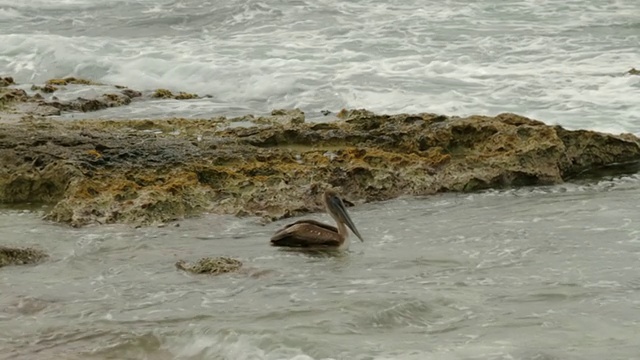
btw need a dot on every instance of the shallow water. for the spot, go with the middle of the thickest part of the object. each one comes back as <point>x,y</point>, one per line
<point>557,61</point>
<point>535,273</point>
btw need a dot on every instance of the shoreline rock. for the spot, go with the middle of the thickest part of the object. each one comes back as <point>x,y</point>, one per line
<point>143,172</point>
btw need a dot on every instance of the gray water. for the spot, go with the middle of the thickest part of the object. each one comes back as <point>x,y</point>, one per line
<point>535,273</point>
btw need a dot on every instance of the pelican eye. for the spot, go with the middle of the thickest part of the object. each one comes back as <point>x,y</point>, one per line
<point>335,201</point>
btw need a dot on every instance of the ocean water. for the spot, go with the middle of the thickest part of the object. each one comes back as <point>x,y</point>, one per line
<point>559,61</point>
<point>534,273</point>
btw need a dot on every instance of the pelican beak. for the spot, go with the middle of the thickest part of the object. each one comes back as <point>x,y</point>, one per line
<point>341,212</point>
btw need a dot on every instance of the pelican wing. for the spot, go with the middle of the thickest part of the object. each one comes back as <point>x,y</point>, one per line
<point>313,222</point>
<point>307,233</point>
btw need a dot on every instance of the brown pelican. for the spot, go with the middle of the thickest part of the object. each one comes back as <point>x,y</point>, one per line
<point>314,234</point>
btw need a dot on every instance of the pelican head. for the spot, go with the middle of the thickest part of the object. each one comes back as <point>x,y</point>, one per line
<point>337,210</point>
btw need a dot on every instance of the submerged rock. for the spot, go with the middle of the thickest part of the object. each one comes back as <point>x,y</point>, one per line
<point>71,80</point>
<point>95,104</point>
<point>211,266</point>
<point>633,71</point>
<point>20,256</point>
<point>16,104</point>
<point>166,94</point>
<point>48,88</point>
<point>11,95</point>
<point>6,81</point>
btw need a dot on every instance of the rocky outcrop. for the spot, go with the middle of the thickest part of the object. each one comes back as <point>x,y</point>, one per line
<point>16,104</point>
<point>150,171</point>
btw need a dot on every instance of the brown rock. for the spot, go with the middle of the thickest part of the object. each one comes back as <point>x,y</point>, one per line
<point>71,80</point>
<point>131,93</point>
<point>100,171</point>
<point>6,81</point>
<point>87,105</point>
<point>282,117</point>
<point>211,266</point>
<point>9,95</point>
<point>20,256</point>
<point>166,94</point>
<point>48,88</point>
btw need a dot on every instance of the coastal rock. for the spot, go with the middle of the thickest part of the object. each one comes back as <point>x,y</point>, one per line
<point>48,88</point>
<point>70,80</point>
<point>166,94</point>
<point>6,81</point>
<point>16,104</point>
<point>11,95</point>
<point>20,256</point>
<point>154,171</point>
<point>633,71</point>
<point>95,104</point>
<point>211,266</point>
<point>283,117</point>
<point>131,93</point>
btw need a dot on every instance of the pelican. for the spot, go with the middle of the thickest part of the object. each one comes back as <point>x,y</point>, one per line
<point>314,234</point>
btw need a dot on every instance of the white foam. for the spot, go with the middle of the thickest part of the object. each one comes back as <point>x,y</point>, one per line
<point>555,62</point>
<point>232,347</point>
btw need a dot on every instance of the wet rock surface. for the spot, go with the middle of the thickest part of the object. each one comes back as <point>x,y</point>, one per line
<point>153,171</point>
<point>211,266</point>
<point>166,94</point>
<point>6,81</point>
<point>20,256</point>
<point>16,104</point>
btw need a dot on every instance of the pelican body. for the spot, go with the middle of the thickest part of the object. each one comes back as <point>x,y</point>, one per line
<point>314,234</point>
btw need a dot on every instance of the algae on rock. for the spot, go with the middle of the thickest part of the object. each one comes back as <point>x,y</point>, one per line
<point>70,80</point>
<point>20,256</point>
<point>6,81</point>
<point>166,94</point>
<point>211,266</point>
<point>150,171</point>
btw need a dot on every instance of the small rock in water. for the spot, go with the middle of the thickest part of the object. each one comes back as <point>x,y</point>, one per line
<point>633,71</point>
<point>71,80</point>
<point>212,266</point>
<point>325,112</point>
<point>166,94</point>
<point>6,81</point>
<point>131,93</point>
<point>20,256</point>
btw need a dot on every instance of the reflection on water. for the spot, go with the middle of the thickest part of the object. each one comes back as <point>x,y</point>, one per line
<point>536,273</point>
